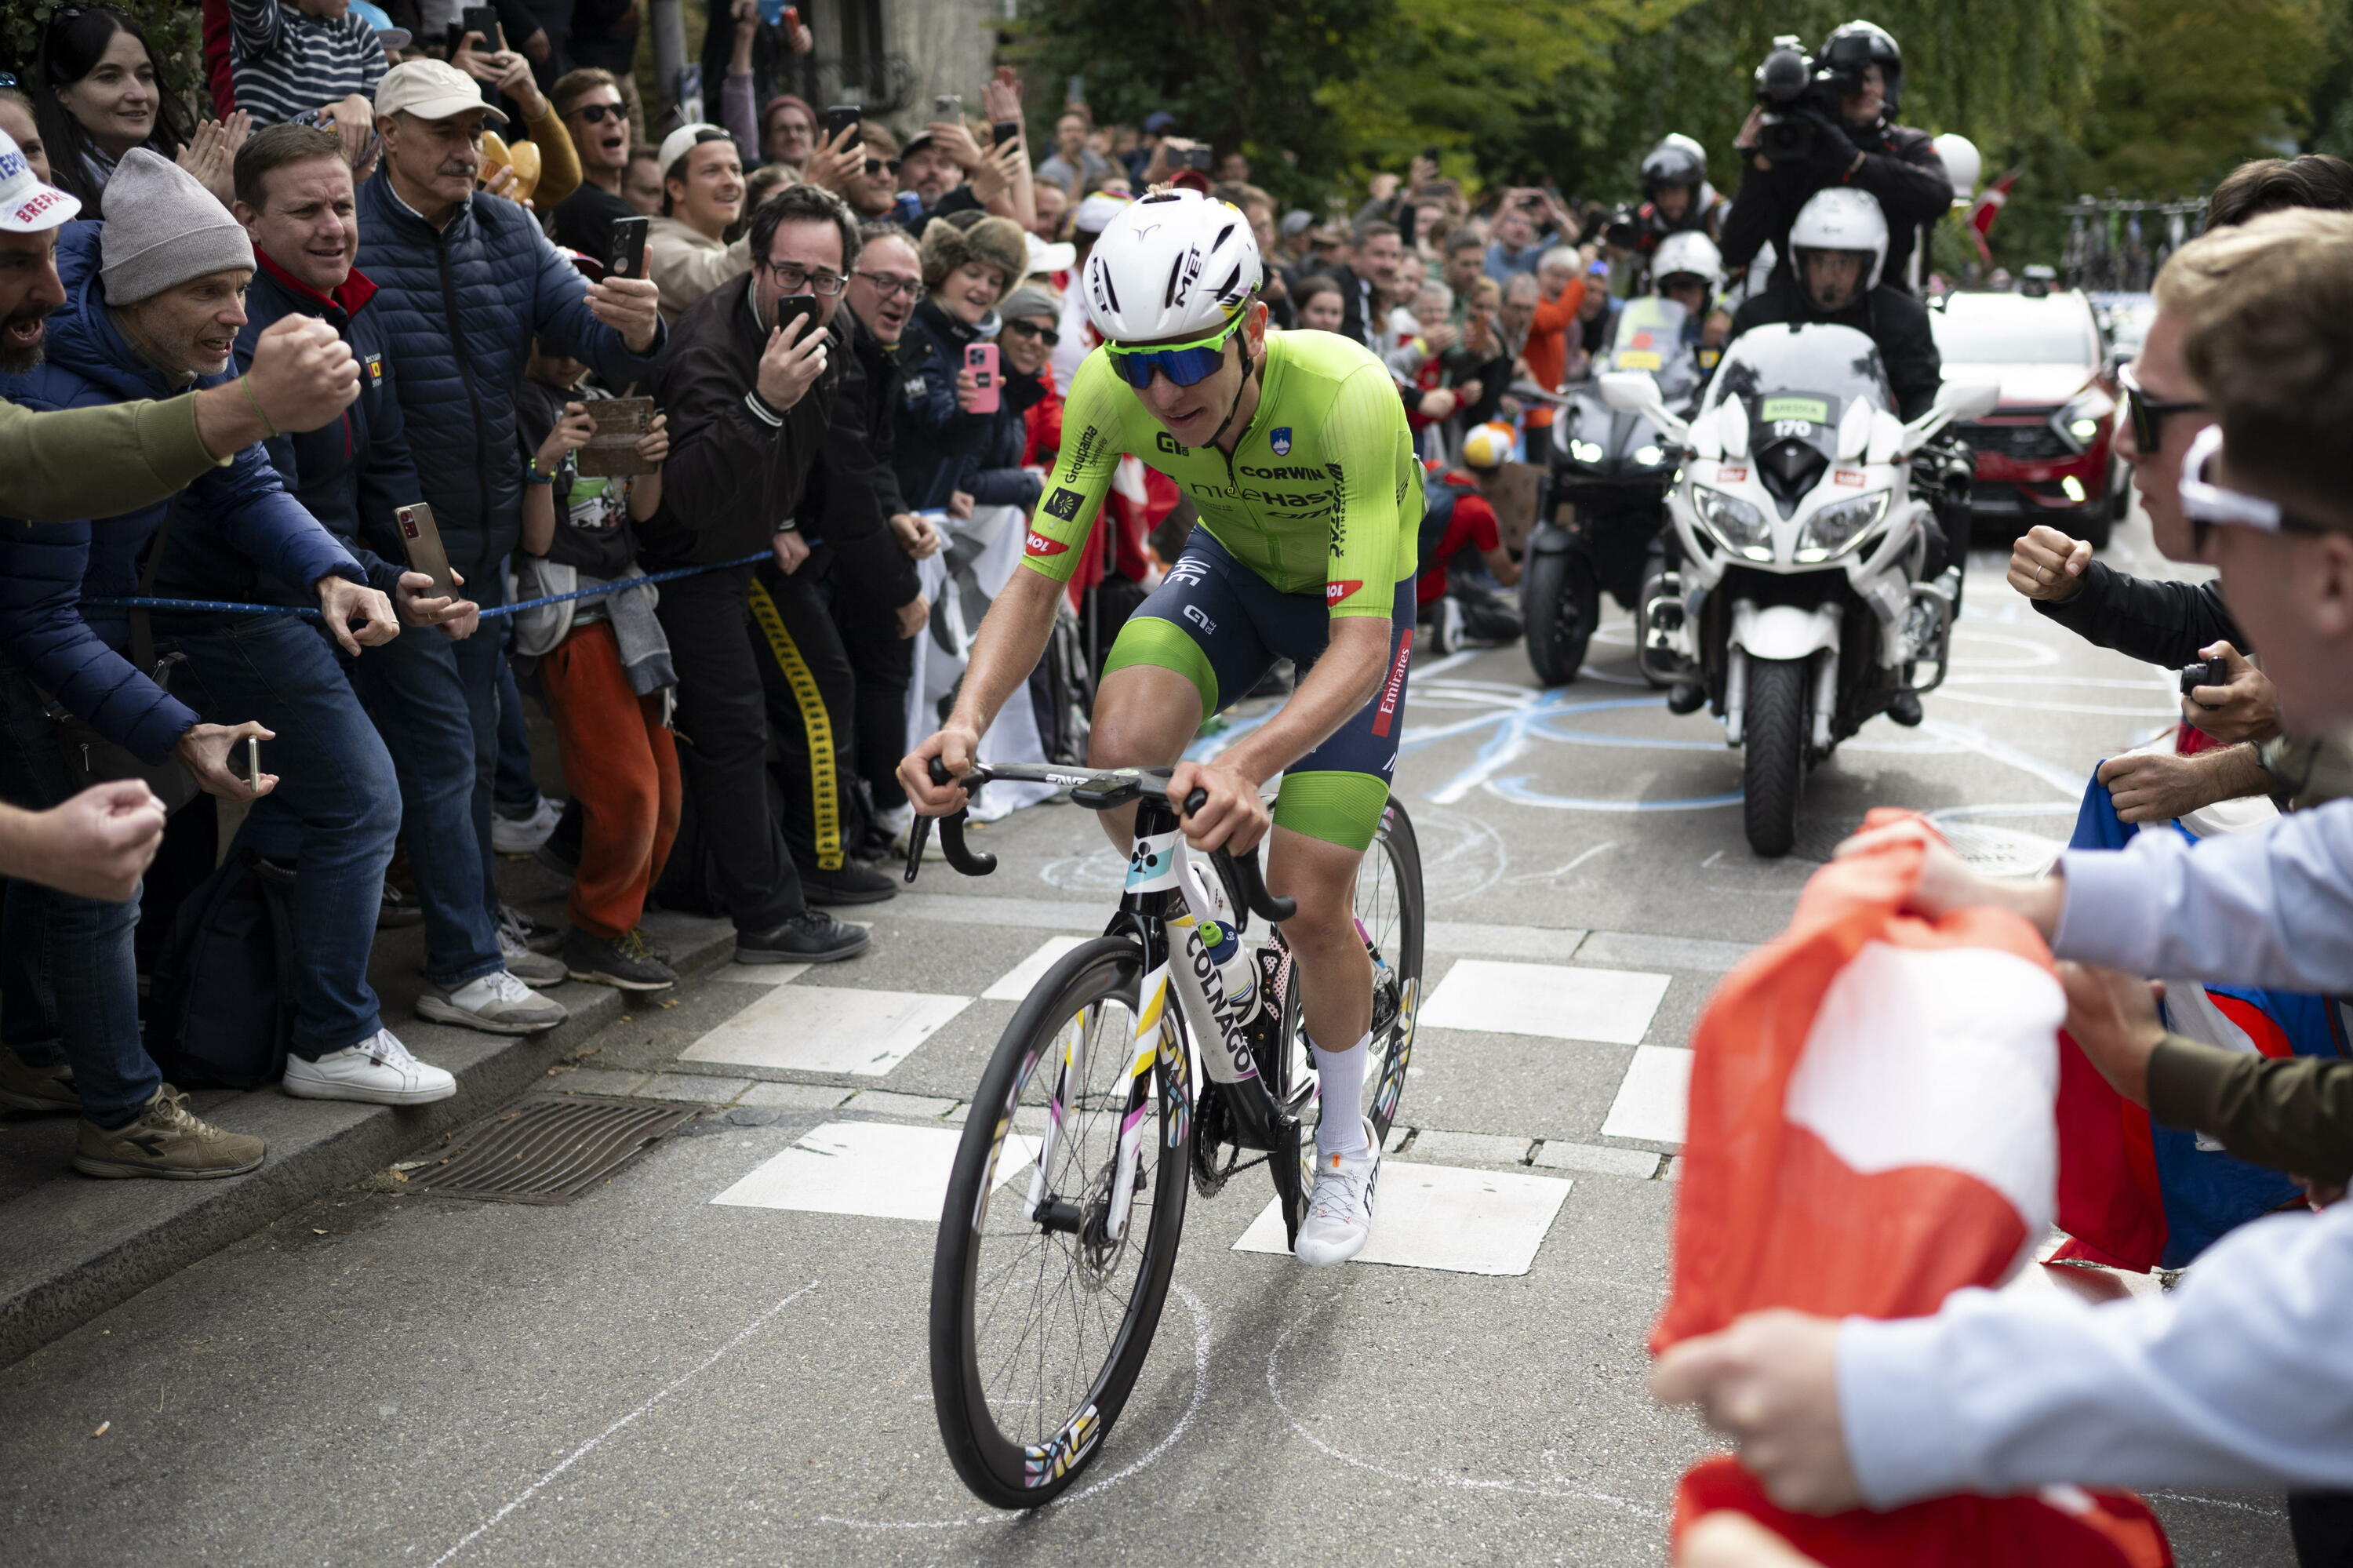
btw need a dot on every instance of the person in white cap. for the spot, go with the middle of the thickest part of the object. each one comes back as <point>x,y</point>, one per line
<point>686,252</point>
<point>1078,333</point>
<point>465,284</point>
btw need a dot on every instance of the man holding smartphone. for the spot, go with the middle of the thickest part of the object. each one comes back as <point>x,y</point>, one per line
<point>749,385</point>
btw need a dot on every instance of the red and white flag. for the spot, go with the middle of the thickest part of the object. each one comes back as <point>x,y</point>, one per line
<point>1988,208</point>
<point>1871,1127</point>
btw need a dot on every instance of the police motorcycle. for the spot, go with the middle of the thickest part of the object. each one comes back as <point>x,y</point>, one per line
<point>1795,596</point>
<point>1613,467</point>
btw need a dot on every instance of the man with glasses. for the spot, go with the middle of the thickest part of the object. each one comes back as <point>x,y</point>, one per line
<point>2242,1376</point>
<point>588,101</point>
<point>1295,449</point>
<point>749,385</point>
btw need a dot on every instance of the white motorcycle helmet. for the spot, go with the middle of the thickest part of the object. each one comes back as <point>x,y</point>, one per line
<point>1962,163</point>
<point>1841,219</point>
<point>1174,264</point>
<point>1690,251</point>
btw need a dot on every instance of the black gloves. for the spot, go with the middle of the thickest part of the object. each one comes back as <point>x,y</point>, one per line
<point>1834,151</point>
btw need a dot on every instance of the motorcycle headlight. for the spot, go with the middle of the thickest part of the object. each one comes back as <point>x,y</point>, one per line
<point>1834,530</point>
<point>1585,451</point>
<point>1650,456</point>
<point>1740,528</point>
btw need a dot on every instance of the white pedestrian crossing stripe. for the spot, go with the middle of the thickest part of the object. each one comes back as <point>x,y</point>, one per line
<point>1443,1217</point>
<point>1613,1006</point>
<point>1016,983</point>
<point>1654,1097</point>
<point>867,1168</point>
<point>825,1029</point>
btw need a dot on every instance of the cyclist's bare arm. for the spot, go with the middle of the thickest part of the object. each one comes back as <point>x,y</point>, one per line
<point>1340,683</point>
<point>1011,640</point>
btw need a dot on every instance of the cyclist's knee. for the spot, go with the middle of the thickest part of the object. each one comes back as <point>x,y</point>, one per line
<point>1143,717</point>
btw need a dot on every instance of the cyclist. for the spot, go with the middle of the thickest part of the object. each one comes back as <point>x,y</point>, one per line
<point>1294,448</point>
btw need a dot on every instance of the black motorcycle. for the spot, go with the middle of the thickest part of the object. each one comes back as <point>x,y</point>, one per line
<point>1614,469</point>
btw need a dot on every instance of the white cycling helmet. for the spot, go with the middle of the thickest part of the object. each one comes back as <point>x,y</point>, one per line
<point>1689,252</point>
<point>1841,219</point>
<point>1962,163</point>
<point>1173,264</point>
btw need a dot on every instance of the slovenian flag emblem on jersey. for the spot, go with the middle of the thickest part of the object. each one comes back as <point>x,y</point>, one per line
<point>1280,440</point>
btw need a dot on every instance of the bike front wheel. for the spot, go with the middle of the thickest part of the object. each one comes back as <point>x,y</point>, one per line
<point>1047,1280</point>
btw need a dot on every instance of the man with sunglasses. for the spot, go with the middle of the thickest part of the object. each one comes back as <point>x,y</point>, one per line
<point>588,101</point>
<point>1296,450</point>
<point>2242,1376</point>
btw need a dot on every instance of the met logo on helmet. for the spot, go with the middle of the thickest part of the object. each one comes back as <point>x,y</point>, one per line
<point>1334,592</point>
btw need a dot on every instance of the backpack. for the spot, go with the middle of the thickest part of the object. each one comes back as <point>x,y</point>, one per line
<point>220,1012</point>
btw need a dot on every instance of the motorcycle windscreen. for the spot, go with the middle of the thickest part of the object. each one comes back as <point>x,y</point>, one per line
<point>1796,382</point>
<point>1649,336</point>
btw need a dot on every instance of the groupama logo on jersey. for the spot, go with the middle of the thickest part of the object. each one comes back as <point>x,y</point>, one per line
<point>1280,440</point>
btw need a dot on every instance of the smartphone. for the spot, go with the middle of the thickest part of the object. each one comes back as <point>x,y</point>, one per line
<point>245,762</point>
<point>1077,90</point>
<point>1429,153</point>
<point>627,251</point>
<point>772,12</point>
<point>1198,157</point>
<point>840,117</point>
<point>483,20</point>
<point>1004,131</point>
<point>793,307</point>
<point>948,106</point>
<point>980,359</point>
<point>421,541</point>
<point>612,451</point>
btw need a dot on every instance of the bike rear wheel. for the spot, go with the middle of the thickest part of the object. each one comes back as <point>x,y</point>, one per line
<point>1040,1319</point>
<point>1389,904</point>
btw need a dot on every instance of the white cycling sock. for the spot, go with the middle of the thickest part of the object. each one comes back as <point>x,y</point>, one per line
<point>1340,1076</point>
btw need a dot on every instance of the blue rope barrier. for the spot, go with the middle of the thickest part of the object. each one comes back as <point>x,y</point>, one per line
<point>224,606</point>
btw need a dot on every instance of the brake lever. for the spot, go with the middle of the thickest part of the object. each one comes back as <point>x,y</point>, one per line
<point>1261,902</point>
<point>969,862</point>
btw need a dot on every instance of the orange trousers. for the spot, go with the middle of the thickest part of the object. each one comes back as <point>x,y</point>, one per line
<point>622,767</point>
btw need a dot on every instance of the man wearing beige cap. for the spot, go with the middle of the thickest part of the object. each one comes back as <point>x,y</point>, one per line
<point>465,281</point>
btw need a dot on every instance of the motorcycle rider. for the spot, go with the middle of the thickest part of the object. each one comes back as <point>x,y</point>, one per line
<point>1838,245</point>
<point>1676,196</point>
<point>1861,150</point>
<point>1687,269</point>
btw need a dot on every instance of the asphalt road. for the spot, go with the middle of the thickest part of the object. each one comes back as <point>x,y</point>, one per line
<point>651,1377</point>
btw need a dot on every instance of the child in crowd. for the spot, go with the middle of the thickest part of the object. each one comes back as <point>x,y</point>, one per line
<point>604,668</point>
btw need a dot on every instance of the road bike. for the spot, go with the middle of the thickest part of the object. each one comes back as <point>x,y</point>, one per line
<point>1057,1238</point>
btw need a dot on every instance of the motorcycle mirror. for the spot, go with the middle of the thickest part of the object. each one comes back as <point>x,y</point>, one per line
<point>1969,399</point>
<point>1636,392</point>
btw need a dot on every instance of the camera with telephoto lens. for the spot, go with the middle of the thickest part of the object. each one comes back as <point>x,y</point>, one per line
<point>1797,93</point>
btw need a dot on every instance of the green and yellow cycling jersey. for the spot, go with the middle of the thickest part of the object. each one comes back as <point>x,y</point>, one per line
<point>1322,491</point>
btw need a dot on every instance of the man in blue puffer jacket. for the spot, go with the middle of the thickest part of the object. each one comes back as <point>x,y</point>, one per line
<point>152,305</point>
<point>464,283</point>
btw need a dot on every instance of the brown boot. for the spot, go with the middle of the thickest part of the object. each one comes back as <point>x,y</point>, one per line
<point>24,1086</point>
<point>166,1141</point>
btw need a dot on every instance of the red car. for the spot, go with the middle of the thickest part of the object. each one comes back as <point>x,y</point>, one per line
<point>2047,454</point>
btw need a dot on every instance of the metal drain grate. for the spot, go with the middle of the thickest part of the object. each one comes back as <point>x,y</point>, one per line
<point>547,1149</point>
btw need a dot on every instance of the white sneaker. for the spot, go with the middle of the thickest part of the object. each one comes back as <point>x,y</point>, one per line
<point>1340,1209</point>
<point>521,835</point>
<point>534,970</point>
<point>497,1004</point>
<point>378,1070</point>
<point>1447,633</point>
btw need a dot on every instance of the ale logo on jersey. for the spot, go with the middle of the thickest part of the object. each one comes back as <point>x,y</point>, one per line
<point>1280,440</point>
<point>1334,592</point>
<point>1038,544</point>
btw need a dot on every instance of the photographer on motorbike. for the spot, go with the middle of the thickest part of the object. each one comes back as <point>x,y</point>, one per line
<point>1856,149</point>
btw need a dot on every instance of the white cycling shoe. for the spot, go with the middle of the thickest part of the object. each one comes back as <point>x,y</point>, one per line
<point>1340,1209</point>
